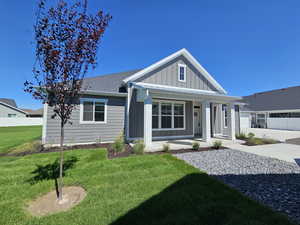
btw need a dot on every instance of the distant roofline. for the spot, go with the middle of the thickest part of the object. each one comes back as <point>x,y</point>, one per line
<point>274,90</point>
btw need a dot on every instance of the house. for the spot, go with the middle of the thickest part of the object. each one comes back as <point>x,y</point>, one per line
<point>276,109</point>
<point>173,98</point>
<point>9,108</point>
<point>34,112</point>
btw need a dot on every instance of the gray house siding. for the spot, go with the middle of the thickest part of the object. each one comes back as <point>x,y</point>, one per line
<point>88,133</point>
<point>5,110</point>
<point>168,75</point>
<point>136,121</point>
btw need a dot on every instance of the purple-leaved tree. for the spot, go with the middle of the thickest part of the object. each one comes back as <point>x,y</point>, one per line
<point>67,39</point>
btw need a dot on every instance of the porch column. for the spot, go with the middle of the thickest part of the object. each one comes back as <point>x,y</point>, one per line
<point>231,124</point>
<point>148,121</point>
<point>206,121</point>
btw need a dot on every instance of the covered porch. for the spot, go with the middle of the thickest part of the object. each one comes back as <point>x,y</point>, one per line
<point>208,115</point>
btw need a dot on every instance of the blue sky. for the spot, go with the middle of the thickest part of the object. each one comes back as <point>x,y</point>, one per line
<point>248,46</point>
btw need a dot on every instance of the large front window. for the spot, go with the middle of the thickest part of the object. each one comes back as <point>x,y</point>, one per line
<point>93,111</point>
<point>168,115</point>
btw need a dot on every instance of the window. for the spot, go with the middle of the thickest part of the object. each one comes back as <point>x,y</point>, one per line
<point>12,115</point>
<point>168,115</point>
<point>181,72</point>
<point>93,111</point>
<point>178,116</point>
<point>225,110</point>
<point>285,115</point>
<point>155,115</point>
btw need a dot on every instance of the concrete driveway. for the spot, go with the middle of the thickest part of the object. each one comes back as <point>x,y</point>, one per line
<point>282,151</point>
<point>280,135</point>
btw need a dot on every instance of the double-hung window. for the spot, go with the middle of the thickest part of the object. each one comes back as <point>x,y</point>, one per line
<point>93,110</point>
<point>181,72</point>
<point>168,115</point>
<point>225,111</point>
<point>178,115</point>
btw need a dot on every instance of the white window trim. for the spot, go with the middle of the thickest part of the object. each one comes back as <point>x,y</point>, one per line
<point>224,117</point>
<point>184,66</point>
<point>94,100</point>
<point>172,123</point>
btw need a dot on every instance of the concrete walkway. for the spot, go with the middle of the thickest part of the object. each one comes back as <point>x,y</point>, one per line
<point>281,135</point>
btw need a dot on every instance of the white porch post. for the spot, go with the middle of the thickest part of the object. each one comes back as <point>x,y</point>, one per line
<point>206,121</point>
<point>231,124</point>
<point>148,121</point>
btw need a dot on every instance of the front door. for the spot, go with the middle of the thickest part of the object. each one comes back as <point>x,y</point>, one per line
<point>197,121</point>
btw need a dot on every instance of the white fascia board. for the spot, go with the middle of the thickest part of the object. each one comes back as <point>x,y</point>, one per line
<point>19,110</point>
<point>103,93</point>
<point>200,93</point>
<point>192,60</point>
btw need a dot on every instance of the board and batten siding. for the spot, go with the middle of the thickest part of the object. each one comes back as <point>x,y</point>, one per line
<point>136,120</point>
<point>168,75</point>
<point>77,133</point>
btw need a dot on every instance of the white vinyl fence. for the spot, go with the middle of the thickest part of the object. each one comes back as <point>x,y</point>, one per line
<point>284,123</point>
<point>20,121</point>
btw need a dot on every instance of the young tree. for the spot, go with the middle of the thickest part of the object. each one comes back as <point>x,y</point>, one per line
<point>67,39</point>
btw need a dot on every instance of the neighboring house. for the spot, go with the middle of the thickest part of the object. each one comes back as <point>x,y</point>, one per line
<point>34,113</point>
<point>276,109</point>
<point>173,98</point>
<point>9,108</point>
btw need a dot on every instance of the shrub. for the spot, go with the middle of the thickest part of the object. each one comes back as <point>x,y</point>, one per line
<point>32,146</point>
<point>241,136</point>
<point>251,135</point>
<point>166,147</point>
<point>118,145</point>
<point>254,141</point>
<point>139,147</point>
<point>196,145</point>
<point>217,144</point>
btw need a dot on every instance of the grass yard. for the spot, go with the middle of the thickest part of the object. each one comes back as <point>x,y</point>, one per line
<point>147,189</point>
<point>12,137</point>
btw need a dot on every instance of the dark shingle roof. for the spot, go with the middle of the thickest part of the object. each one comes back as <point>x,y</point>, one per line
<point>107,83</point>
<point>279,99</point>
<point>34,112</point>
<point>9,101</point>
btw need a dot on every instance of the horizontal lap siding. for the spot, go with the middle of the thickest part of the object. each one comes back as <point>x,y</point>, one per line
<point>136,120</point>
<point>85,133</point>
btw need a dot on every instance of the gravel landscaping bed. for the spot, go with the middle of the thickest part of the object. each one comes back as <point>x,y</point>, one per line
<point>272,182</point>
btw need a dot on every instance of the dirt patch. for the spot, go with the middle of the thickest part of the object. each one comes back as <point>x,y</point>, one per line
<point>48,203</point>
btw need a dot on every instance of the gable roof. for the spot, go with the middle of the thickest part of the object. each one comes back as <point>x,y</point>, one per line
<point>11,104</point>
<point>107,83</point>
<point>9,101</point>
<point>279,99</point>
<point>34,112</point>
<point>186,54</point>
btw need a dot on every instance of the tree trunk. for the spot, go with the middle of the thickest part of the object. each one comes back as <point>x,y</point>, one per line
<point>60,185</point>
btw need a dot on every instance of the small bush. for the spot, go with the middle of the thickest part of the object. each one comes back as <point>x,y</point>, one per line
<point>196,145</point>
<point>251,135</point>
<point>254,141</point>
<point>32,146</point>
<point>119,144</point>
<point>217,144</point>
<point>139,147</point>
<point>166,147</point>
<point>241,136</point>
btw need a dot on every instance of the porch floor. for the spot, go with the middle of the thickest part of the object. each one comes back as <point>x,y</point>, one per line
<point>187,143</point>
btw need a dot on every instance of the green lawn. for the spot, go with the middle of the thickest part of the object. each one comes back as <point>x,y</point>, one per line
<point>149,189</point>
<point>11,137</point>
